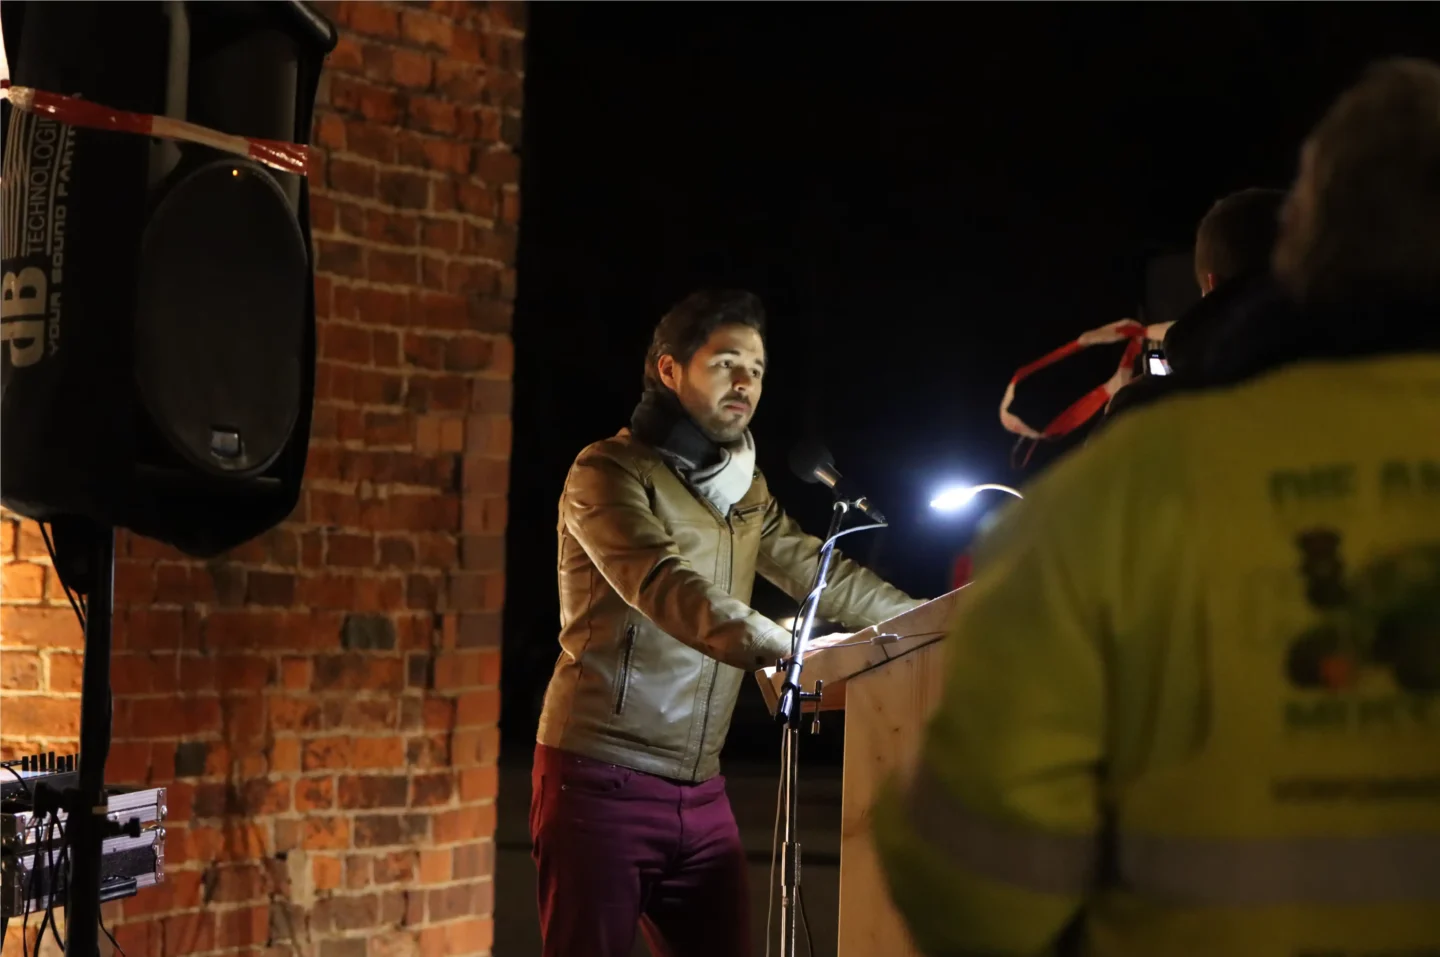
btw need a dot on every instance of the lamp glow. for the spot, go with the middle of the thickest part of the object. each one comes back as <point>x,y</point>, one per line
<point>956,498</point>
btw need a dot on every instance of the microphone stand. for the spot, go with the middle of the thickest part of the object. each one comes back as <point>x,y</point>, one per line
<point>792,700</point>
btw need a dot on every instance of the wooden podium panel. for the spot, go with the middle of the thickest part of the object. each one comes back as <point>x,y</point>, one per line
<point>888,682</point>
<point>885,715</point>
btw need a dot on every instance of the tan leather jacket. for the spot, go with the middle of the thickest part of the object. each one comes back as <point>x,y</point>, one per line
<point>656,631</point>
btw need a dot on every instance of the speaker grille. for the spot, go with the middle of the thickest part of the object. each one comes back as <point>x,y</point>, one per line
<point>221,316</point>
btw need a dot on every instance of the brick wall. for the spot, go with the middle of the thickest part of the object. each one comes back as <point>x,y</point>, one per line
<point>322,702</point>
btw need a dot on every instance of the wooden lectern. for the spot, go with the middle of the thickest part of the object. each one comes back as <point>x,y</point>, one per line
<point>887,682</point>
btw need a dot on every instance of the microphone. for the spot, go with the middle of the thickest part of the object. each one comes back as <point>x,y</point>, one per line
<point>812,462</point>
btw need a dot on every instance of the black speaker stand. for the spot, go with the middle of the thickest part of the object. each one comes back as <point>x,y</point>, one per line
<point>87,824</point>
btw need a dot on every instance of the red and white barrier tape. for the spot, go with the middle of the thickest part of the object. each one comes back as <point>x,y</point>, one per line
<point>1132,333</point>
<point>72,111</point>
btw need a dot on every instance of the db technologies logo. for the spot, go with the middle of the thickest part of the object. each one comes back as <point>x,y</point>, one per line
<point>36,190</point>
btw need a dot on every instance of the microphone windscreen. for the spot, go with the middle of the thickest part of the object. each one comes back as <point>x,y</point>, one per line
<point>807,457</point>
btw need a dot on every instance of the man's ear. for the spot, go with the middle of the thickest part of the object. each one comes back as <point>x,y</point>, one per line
<point>669,371</point>
<point>1209,283</point>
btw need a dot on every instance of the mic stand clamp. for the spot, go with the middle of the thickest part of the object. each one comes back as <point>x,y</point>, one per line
<point>793,698</point>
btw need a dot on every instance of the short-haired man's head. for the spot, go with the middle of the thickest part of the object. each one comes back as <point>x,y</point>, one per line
<point>710,351</point>
<point>1237,236</point>
<point>1362,220</point>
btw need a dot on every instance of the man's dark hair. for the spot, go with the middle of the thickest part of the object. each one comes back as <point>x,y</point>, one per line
<point>1237,235</point>
<point>691,322</point>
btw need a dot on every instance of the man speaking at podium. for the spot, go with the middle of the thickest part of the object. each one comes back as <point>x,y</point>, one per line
<point>662,529</point>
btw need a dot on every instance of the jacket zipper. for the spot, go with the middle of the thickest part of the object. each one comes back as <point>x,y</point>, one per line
<point>714,665</point>
<point>625,668</point>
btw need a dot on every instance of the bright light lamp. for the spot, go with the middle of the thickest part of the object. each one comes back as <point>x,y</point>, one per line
<point>957,497</point>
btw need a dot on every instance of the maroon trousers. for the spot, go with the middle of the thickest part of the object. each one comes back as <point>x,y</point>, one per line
<point>616,848</point>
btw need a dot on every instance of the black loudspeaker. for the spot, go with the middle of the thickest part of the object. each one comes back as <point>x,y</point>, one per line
<point>158,324</point>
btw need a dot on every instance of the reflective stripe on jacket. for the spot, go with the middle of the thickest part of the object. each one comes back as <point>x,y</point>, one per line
<point>1192,699</point>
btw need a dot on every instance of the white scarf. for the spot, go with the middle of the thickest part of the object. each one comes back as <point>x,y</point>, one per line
<point>726,482</point>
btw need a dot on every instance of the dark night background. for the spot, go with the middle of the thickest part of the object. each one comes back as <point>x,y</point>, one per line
<point>926,197</point>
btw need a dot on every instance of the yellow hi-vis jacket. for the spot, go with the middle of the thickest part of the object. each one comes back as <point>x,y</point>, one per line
<point>1192,698</point>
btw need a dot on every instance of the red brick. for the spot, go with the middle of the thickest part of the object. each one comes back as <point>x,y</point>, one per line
<point>189,933</point>
<point>425,352</point>
<point>373,791</point>
<point>490,243</point>
<point>442,234</point>
<point>243,716</point>
<point>145,629</point>
<point>479,784</point>
<point>295,674</point>
<point>38,627</point>
<point>393,267</point>
<point>404,190</point>
<point>141,938</point>
<point>481,124</point>
<point>373,19</point>
<point>329,128</point>
<point>180,890</point>
<point>352,178</point>
<point>65,672</point>
<point>396,552</point>
<point>9,528</point>
<point>23,581</point>
<point>370,141</point>
<point>459,81</point>
<point>411,69</point>
<point>40,717</point>
<point>30,543</point>
<point>296,714</point>
<point>395,867</point>
<point>386,348</point>
<point>468,45</point>
<point>348,550</point>
<point>326,591</point>
<point>380,594</point>
<point>434,866</point>
<point>397,229</point>
<point>335,509</point>
<point>508,14</point>
<point>358,874</point>
<point>184,717</point>
<point>475,935</point>
<point>162,762</point>
<point>477,199</point>
<point>487,437</point>
<point>314,794</point>
<point>358,672</point>
<point>20,671</point>
<point>285,758</point>
<point>341,258</point>
<point>128,762</point>
<point>244,927</point>
<point>378,753</point>
<point>491,396</point>
<point>477,708</point>
<point>432,790</point>
<point>325,872</point>
<point>326,753</point>
<point>498,167</point>
<point>431,115</point>
<point>326,833</point>
<point>425,29</point>
<point>464,824</point>
<point>344,342</point>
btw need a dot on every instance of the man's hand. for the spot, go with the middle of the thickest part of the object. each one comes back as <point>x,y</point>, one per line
<point>830,641</point>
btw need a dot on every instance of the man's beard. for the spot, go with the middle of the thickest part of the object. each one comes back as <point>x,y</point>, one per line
<point>719,427</point>
<point>723,433</point>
